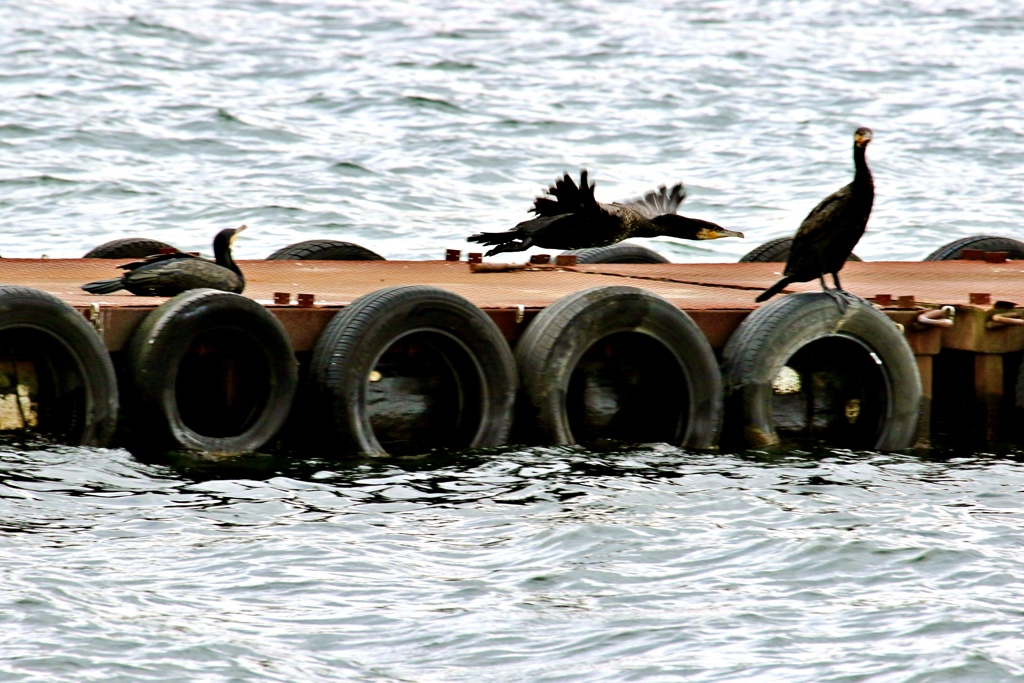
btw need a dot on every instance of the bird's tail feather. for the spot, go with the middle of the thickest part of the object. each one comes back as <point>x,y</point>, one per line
<point>490,238</point>
<point>774,289</point>
<point>522,231</point>
<point>103,286</point>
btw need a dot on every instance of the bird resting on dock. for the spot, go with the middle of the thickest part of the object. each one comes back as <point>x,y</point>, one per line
<point>569,217</point>
<point>832,229</point>
<point>171,274</point>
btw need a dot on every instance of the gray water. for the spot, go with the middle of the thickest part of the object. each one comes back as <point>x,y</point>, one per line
<point>405,129</point>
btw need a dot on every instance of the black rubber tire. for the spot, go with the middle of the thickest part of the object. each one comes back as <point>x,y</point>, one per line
<point>664,385</point>
<point>776,251</point>
<point>617,253</point>
<point>324,250</point>
<point>769,339</point>
<point>471,407</point>
<point>209,334</point>
<point>128,247</point>
<point>77,400</point>
<point>953,250</point>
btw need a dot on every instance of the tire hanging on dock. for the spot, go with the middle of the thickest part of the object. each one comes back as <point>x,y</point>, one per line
<point>128,247</point>
<point>409,369</point>
<point>617,253</point>
<point>954,250</point>
<point>57,377</point>
<point>324,250</point>
<point>208,371</point>
<point>776,251</point>
<point>799,369</point>
<point>613,365</point>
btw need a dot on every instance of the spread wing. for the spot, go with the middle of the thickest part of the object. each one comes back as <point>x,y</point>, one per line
<point>568,217</point>
<point>567,197</point>
<point>657,202</point>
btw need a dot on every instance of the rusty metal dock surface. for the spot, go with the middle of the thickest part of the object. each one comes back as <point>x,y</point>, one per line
<point>700,289</point>
<point>705,286</point>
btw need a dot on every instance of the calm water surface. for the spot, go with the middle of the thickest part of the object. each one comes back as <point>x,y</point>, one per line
<point>405,127</point>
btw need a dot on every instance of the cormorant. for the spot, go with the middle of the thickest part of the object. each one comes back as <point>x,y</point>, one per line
<point>832,229</point>
<point>572,219</point>
<point>170,274</point>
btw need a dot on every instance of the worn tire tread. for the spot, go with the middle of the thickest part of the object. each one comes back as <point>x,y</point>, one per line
<point>324,250</point>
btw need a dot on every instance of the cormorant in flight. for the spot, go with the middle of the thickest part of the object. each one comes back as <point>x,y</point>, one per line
<point>570,218</point>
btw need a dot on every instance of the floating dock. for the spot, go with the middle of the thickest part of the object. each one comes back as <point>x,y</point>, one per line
<point>962,320</point>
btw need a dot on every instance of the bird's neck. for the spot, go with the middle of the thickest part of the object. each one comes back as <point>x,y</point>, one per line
<point>222,257</point>
<point>862,175</point>
<point>667,224</point>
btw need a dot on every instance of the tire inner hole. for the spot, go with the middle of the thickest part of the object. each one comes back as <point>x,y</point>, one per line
<point>425,393</point>
<point>833,391</point>
<point>628,387</point>
<point>223,383</point>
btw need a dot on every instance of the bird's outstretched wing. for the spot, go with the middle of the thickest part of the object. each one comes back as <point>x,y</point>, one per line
<point>567,197</point>
<point>658,202</point>
<point>569,218</point>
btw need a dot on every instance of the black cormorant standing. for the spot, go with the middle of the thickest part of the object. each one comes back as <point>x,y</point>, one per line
<point>832,229</point>
<point>170,274</point>
<point>572,219</point>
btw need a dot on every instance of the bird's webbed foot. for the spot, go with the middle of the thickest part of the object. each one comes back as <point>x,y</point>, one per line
<point>842,299</point>
<point>521,245</point>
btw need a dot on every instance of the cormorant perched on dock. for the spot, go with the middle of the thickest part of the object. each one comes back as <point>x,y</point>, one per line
<point>832,229</point>
<point>170,274</point>
<point>572,219</point>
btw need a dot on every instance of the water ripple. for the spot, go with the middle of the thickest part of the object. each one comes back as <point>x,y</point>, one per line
<point>542,565</point>
<point>405,128</point>
<point>469,112</point>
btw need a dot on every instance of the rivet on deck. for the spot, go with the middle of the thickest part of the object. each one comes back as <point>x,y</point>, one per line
<point>540,259</point>
<point>566,260</point>
<point>282,298</point>
<point>972,255</point>
<point>475,257</point>
<point>883,299</point>
<point>452,254</point>
<point>980,298</point>
<point>305,300</point>
<point>906,301</point>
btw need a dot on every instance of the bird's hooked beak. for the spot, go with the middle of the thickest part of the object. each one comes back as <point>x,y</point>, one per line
<point>862,137</point>
<point>716,233</point>
<point>235,235</point>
